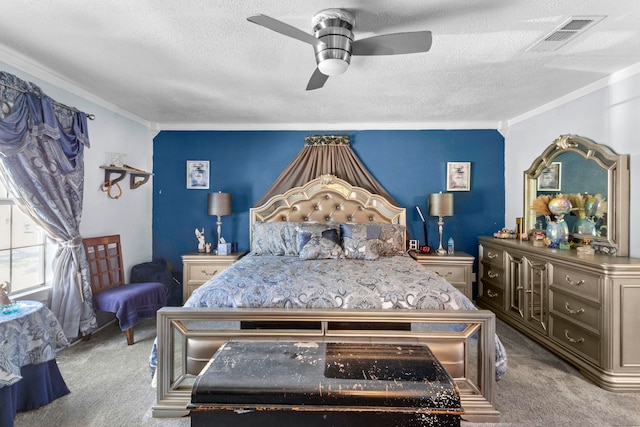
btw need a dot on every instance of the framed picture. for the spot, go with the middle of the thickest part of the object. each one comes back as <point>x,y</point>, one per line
<point>198,174</point>
<point>550,178</point>
<point>458,176</point>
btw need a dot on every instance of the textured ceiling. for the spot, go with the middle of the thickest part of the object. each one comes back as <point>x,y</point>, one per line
<point>201,65</point>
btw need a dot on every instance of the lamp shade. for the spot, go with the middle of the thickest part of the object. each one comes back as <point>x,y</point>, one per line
<point>441,204</point>
<point>219,204</point>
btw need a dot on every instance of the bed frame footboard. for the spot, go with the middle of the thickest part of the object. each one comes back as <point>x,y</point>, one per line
<point>463,341</point>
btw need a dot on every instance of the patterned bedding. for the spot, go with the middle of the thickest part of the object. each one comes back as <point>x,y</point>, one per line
<point>389,282</point>
<point>290,282</point>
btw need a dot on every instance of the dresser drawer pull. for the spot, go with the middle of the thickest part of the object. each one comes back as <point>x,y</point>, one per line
<point>572,340</point>
<point>491,294</point>
<point>578,311</point>
<point>205,272</point>
<point>491,255</point>
<point>571,282</point>
<point>492,275</point>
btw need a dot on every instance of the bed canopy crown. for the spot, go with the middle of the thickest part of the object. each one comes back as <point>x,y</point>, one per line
<point>325,155</point>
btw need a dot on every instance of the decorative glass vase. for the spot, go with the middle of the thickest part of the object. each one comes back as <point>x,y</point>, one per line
<point>557,232</point>
<point>584,227</point>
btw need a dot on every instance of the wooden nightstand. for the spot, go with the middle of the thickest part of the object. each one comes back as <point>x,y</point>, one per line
<point>198,267</point>
<point>457,269</point>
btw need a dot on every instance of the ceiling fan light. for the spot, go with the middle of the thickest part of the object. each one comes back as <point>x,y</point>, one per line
<point>333,66</point>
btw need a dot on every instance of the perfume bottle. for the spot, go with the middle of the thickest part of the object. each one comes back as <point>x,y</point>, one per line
<point>450,246</point>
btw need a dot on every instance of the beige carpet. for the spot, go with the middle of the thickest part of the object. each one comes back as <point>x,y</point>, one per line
<point>110,386</point>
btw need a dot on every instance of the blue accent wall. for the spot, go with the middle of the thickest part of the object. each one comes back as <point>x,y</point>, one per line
<point>410,164</point>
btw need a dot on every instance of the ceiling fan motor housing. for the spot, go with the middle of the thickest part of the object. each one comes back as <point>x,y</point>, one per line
<point>333,27</point>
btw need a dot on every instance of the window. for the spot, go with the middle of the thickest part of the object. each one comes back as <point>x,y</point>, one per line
<point>23,248</point>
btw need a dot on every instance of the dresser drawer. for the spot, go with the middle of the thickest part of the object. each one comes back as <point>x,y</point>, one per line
<point>581,312</point>
<point>492,256</point>
<point>492,294</point>
<point>577,282</point>
<point>493,275</point>
<point>575,338</point>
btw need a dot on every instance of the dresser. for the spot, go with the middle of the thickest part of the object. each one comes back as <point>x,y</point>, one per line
<point>199,267</point>
<point>584,309</point>
<point>457,269</point>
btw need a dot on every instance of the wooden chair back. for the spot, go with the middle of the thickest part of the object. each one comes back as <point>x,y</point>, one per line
<point>105,262</point>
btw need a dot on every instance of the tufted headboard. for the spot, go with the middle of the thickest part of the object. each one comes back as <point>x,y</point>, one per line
<point>328,199</point>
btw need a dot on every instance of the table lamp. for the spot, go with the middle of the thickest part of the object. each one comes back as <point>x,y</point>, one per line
<point>441,205</point>
<point>219,205</point>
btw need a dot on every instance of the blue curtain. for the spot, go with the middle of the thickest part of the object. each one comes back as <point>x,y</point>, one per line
<point>42,166</point>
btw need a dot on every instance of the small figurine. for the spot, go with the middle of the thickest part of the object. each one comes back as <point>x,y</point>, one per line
<point>200,236</point>
<point>5,288</point>
<point>207,247</point>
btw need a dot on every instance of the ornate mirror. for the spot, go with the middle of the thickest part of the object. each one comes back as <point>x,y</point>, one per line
<point>583,170</point>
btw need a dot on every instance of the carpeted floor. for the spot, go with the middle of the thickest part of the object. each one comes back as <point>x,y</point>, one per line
<point>110,386</point>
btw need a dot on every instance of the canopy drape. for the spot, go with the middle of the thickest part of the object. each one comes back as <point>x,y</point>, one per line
<point>321,155</point>
<point>42,166</point>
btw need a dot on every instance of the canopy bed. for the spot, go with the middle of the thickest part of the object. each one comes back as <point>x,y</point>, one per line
<point>354,282</point>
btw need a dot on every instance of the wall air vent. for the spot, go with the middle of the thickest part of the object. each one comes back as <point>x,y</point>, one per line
<point>565,32</point>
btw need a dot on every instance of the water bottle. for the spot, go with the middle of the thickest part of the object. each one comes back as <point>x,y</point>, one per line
<point>450,248</point>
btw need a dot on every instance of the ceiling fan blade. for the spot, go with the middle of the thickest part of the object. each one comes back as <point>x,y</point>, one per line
<point>285,29</point>
<point>317,80</point>
<point>393,44</point>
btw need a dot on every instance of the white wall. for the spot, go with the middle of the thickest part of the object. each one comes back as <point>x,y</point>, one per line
<point>609,114</point>
<point>130,215</point>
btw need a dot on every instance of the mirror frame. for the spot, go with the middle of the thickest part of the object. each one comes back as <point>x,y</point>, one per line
<point>617,167</point>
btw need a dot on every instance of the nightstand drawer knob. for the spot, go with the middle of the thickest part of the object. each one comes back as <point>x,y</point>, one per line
<point>205,272</point>
<point>445,275</point>
<point>491,255</point>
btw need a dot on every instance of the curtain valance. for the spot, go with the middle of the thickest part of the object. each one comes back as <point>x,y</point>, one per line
<point>28,114</point>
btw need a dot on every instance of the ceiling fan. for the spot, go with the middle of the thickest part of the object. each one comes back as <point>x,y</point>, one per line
<point>334,44</point>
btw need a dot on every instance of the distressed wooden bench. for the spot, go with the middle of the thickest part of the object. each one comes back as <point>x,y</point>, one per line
<point>316,383</point>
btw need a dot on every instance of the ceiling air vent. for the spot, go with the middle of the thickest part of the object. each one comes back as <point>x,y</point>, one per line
<point>564,33</point>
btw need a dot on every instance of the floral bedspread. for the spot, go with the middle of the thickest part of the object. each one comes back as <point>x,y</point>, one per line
<point>394,282</point>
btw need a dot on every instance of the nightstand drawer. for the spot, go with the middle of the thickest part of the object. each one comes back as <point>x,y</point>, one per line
<point>198,273</point>
<point>197,268</point>
<point>453,274</point>
<point>456,269</point>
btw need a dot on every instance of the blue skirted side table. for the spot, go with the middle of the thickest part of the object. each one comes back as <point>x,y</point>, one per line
<point>30,336</point>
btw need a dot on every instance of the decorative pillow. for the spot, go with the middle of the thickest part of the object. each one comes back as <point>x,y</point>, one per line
<point>392,238</point>
<point>318,241</point>
<point>274,238</point>
<point>361,241</point>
